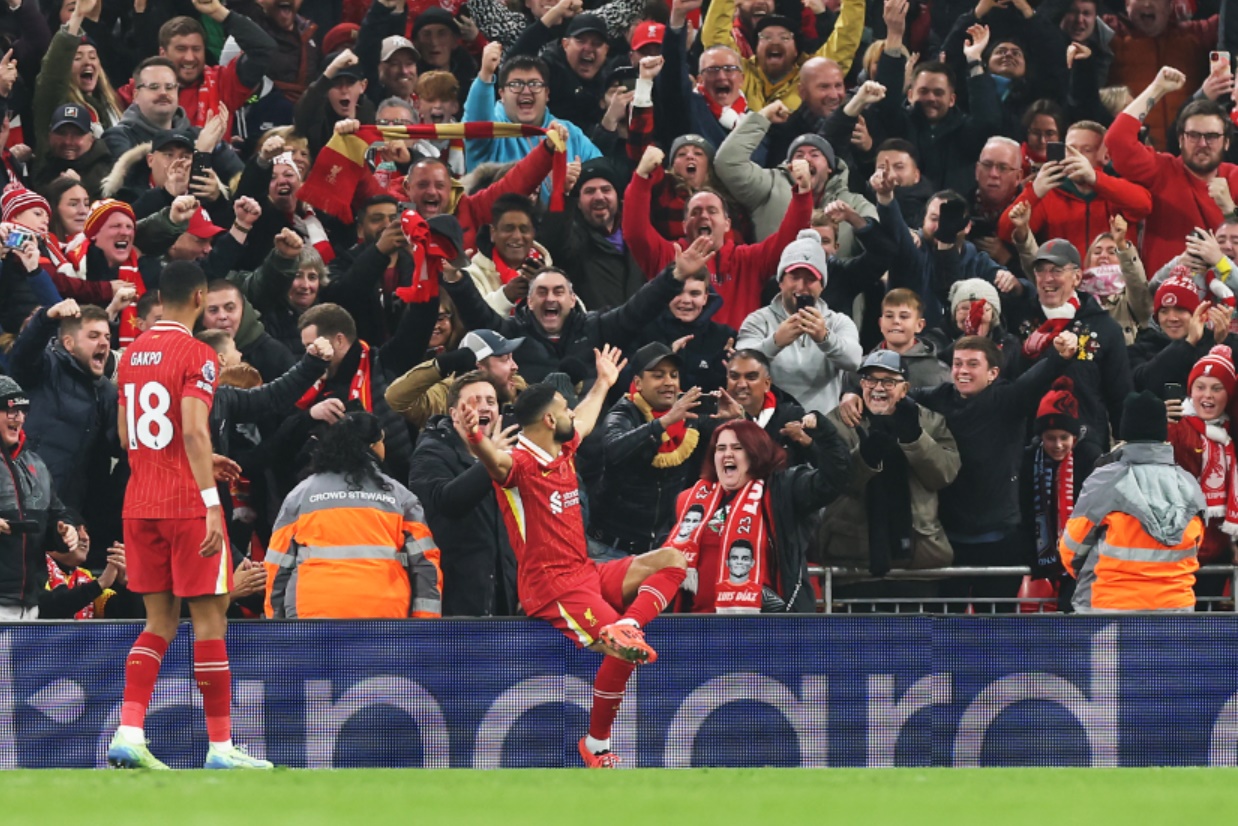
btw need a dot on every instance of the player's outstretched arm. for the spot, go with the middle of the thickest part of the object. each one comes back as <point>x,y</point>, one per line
<point>497,463</point>
<point>195,425</point>
<point>610,364</point>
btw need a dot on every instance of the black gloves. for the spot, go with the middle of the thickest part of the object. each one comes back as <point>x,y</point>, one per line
<point>876,444</point>
<point>905,421</point>
<point>460,360</point>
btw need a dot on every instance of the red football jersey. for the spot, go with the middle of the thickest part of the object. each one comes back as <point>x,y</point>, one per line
<point>541,506</point>
<point>164,365</point>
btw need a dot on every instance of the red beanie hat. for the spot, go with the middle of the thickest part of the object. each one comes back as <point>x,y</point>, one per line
<point>100,211</point>
<point>1059,409</point>
<point>17,199</point>
<point>1219,365</point>
<point>1178,290</point>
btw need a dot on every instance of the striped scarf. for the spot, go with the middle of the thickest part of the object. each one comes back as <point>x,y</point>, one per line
<point>338,170</point>
<point>678,440</point>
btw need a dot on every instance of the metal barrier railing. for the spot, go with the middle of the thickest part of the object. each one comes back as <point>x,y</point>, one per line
<point>830,578</point>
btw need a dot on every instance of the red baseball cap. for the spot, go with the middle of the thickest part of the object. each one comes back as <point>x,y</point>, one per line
<point>647,32</point>
<point>200,225</point>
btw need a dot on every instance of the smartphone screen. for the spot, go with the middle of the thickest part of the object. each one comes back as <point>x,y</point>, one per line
<point>1055,151</point>
<point>802,301</point>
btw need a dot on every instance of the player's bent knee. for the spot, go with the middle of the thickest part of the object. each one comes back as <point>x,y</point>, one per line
<point>665,558</point>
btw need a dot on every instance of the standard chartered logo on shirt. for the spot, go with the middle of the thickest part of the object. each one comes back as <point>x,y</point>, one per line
<point>561,501</point>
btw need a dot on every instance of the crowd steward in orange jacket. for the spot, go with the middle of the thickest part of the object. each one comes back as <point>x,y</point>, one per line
<point>351,542</point>
<point>1133,539</point>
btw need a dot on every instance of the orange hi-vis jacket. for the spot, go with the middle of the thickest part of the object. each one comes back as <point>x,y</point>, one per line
<point>349,549</point>
<point>1133,538</point>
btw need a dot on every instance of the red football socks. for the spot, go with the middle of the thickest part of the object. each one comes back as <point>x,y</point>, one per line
<point>608,686</point>
<point>210,669</point>
<point>141,672</point>
<point>654,595</point>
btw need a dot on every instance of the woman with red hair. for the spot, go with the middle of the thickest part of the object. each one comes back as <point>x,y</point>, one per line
<point>745,526</point>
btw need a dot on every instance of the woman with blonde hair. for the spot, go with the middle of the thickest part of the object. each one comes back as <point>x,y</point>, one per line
<point>73,73</point>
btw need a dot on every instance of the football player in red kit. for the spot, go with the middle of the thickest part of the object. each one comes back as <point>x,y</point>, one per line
<point>174,530</point>
<point>601,606</point>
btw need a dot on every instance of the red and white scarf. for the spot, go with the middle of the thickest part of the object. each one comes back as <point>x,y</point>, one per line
<point>305,222</point>
<point>768,405</point>
<point>360,388</point>
<point>1058,319</point>
<point>745,521</point>
<point>127,272</point>
<point>1218,472</point>
<point>728,117</point>
<point>208,100</point>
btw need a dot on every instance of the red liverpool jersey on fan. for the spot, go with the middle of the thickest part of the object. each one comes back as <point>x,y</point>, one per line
<point>541,506</point>
<point>164,365</point>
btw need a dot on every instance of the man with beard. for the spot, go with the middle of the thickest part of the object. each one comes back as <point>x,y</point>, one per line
<point>61,358</point>
<point>738,271</point>
<point>589,234</point>
<point>424,392</point>
<point>773,72</point>
<point>901,455</point>
<point>653,439</point>
<point>479,568</point>
<point>602,607</point>
<point>1192,190</point>
<point>1152,27</point>
<point>523,83</point>
<point>338,95</point>
<point>767,193</point>
<point>183,41</point>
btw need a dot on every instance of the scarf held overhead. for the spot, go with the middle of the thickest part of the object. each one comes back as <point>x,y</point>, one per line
<point>338,170</point>
<point>745,525</point>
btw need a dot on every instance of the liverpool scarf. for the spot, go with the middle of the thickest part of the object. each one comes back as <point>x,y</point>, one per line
<point>768,405</point>
<point>77,578</point>
<point>728,117</point>
<point>1218,473</point>
<point>360,387</point>
<point>429,251</point>
<point>1058,319</point>
<point>745,530</point>
<point>678,440</point>
<point>1053,501</point>
<point>129,273</point>
<point>337,171</point>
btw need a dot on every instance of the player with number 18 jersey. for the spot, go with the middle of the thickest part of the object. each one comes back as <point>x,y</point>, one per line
<point>163,509</point>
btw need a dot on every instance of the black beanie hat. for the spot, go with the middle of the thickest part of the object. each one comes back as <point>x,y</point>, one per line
<point>1144,419</point>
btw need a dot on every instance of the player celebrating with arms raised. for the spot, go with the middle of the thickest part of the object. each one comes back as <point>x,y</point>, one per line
<point>174,529</point>
<point>601,606</point>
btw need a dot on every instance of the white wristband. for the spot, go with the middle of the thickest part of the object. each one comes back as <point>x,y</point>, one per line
<point>210,497</point>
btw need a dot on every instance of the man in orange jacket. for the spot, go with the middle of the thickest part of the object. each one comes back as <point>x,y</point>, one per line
<point>1133,538</point>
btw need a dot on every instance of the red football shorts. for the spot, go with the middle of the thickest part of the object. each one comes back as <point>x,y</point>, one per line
<point>163,555</point>
<point>592,605</point>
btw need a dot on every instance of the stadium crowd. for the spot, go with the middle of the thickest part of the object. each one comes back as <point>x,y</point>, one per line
<point>895,278</point>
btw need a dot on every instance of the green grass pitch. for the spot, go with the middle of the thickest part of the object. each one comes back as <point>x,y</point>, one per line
<point>683,797</point>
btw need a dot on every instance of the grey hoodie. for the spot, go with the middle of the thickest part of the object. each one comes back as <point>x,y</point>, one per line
<point>811,372</point>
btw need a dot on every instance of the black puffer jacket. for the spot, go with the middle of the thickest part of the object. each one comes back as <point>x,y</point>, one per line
<point>541,355</point>
<point>72,421</point>
<point>479,567</point>
<point>602,275</point>
<point>26,495</point>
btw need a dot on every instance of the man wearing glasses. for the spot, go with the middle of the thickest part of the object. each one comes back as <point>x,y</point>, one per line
<point>523,98</point>
<point>1193,190</point>
<point>773,73</point>
<point>901,455</point>
<point>156,107</point>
